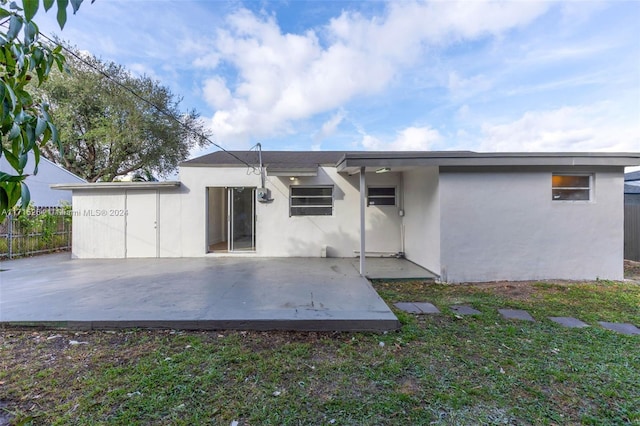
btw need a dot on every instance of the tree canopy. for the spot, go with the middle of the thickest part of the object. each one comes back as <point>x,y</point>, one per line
<point>25,123</point>
<point>106,131</point>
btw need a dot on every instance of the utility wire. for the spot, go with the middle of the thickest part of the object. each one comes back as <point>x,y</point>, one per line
<point>142,98</point>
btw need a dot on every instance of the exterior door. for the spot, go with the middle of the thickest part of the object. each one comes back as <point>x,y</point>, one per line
<point>242,219</point>
<point>142,223</point>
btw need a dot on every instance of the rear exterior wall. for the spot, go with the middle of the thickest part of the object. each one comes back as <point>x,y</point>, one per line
<point>422,217</point>
<point>504,225</point>
<point>280,235</point>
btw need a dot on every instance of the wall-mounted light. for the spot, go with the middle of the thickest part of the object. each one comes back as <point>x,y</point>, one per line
<point>383,170</point>
<point>292,178</point>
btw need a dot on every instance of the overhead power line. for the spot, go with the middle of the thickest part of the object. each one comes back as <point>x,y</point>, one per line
<point>139,96</point>
<point>142,98</point>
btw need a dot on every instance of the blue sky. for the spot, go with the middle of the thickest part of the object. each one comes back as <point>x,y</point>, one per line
<point>331,75</point>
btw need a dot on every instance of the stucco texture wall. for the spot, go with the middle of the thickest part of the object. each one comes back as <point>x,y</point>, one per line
<point>505,226</point>
<point>280,235</point>
<point>422,217</point>
<point>98,233</point>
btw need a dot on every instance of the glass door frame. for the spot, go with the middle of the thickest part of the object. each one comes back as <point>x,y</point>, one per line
<point>231,219</point>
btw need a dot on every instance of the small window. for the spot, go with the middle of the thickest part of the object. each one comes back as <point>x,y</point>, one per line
<point>381,196</point>
<point>311,201</point>
<point>571,187</point>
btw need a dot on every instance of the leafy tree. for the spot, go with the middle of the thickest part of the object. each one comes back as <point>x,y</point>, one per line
<point>25,123</point>
<point>107,131</point>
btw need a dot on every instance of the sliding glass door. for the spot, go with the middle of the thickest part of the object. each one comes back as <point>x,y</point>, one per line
<point>242,219</point>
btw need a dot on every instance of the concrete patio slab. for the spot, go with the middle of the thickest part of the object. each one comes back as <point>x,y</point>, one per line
<point>465,310</point>
<point>517,314</point>
<point>624,328</point>
<point>569,322</point>
<point>394,269</point>
<point>191,293</point>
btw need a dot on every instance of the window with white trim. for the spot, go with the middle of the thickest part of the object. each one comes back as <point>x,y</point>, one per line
<point>571,187</point>
<point>381,196</point>
<point>311,201</point>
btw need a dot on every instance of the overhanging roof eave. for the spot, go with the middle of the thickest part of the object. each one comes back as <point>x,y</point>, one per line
<point>352,163</point>
<point>292,171</point>
<point>115,185</point>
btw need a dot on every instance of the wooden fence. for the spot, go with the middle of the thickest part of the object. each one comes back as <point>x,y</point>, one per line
<point>632,232</point>
<point>38,230</point>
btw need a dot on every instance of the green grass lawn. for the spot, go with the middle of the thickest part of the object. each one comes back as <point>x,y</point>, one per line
<point>437,370</point>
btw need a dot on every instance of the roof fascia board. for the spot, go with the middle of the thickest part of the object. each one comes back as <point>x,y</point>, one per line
<point>116,185</point>
<point>533,169</point>
<point>617,159</point>
<point>292,171</point>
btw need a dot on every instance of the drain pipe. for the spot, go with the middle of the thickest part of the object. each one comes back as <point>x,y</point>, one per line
<point>401,212</point>
<point>262,178</point>
<point>363,188</point>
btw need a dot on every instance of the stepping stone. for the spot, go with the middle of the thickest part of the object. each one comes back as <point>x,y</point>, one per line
<point>417,307</point>
<point>516,314</point>
<point>408,307</point>
<point>628,329</point>
<point>465,310</point>
<point>569,322</point>
<point>427,308</point>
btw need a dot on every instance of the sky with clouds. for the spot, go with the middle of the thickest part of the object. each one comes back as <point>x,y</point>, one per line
<point>401,75</point>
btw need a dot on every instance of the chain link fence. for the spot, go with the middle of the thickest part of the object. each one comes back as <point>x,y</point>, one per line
<point>36,230</point>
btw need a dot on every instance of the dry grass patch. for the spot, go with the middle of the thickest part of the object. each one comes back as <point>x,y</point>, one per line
<point>437,370</point>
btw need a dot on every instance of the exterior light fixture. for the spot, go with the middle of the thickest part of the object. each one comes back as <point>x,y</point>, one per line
<point>383,170</point>
<point>292,178</point>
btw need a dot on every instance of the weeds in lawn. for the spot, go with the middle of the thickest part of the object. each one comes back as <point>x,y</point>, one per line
<point>438,369</point>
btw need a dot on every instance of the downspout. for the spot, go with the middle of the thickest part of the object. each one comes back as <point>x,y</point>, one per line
<point>362,224</point>
<point>401,212</point>
<point>262,178</point>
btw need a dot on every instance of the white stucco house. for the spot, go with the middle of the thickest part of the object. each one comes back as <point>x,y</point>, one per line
<point>463,215</point>
<point>40,184</point>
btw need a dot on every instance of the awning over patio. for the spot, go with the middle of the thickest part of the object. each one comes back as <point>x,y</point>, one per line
<point>352,162</point>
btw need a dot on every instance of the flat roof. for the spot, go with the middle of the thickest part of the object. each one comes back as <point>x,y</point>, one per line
<point>352,161</point>
<point>116,185</point>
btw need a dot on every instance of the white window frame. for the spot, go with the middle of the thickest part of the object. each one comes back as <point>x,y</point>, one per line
<point>292,197</point>
<point>569,188</point>
<point>394,196</point>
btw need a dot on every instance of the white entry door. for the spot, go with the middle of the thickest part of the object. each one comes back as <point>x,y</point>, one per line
<point>142,223</point>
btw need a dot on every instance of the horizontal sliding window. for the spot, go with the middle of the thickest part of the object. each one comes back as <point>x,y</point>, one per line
<point>311,201</point>
<point>571,187</point>
<point>381,196</point>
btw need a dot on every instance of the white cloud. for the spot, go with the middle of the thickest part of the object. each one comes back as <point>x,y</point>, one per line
<point>142,69</point>
<point>463,88</point>
<point>283,77</point>
<point>216,93</point>
<point>592,128</point>
<point>330,126</point>
<point>409,139</point>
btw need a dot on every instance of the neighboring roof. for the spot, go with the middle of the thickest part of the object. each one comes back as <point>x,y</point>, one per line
<point>631,189</point>
<point>117,185</point>
<point>632,176</point>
